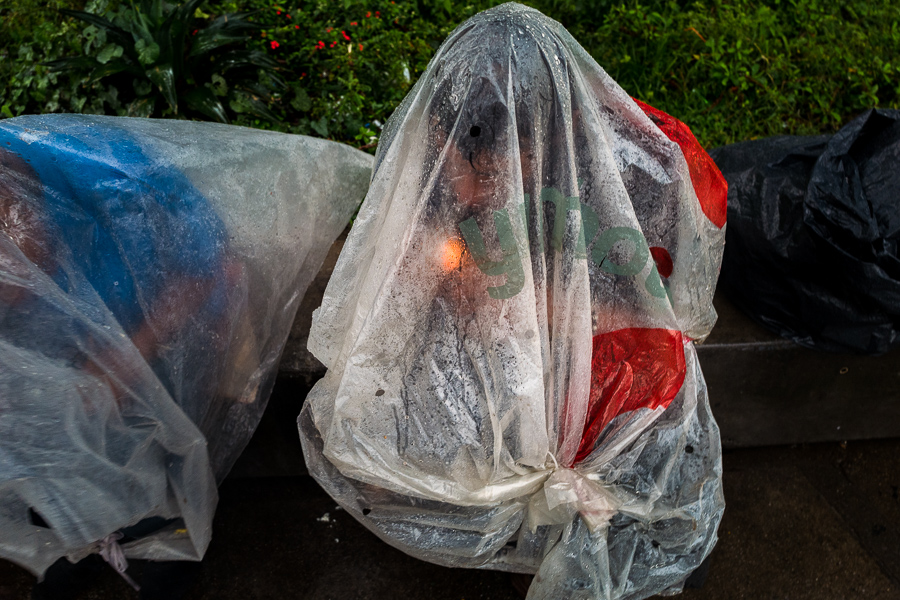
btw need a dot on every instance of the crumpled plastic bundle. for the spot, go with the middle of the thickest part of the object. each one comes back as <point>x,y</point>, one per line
<point>149,275</point>
<point>512,382</point>
<point>815,226</point>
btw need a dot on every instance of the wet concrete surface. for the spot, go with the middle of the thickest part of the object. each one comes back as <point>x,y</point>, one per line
<point>811,522</point>
<point>766,391</point>
<point>785,535</point>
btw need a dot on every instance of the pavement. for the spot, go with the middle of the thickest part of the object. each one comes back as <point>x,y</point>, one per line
<point>817,521</point>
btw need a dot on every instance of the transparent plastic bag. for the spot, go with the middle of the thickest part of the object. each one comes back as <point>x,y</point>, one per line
<point>149,274</point>
<point>509,330</point>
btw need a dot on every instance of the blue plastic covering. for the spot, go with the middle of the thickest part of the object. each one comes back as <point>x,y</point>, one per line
<point>149,276</point>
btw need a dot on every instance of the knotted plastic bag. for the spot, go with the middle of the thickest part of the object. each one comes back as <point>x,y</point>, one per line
<point>149,274</point>
<point>512,382</point>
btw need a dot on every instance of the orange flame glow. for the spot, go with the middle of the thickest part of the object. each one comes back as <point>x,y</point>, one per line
<point>452,254</point>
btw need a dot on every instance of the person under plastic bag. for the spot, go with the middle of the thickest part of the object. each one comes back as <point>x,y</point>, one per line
<point>149,275</point>
<point>509,331</point>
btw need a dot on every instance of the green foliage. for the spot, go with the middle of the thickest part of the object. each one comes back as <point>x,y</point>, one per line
<point>347,64</point>
<point>31,33</point>
<point>174,60</point>
<point>742,69</point>
<point>731,69</point>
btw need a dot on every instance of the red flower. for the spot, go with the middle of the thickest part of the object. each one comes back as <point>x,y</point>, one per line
<point>302,75</point>
<point>360,47</point>
<point>329,30</point>
<point>277,12</point>
<point>377,15</point>
<point>274,44</point>
<point>332,44</point>
<point>321,44</point>
<point>368,14</point>
<point>346,37</point>
<point>195,32</point>
<point>287,15</point>
<point>296,27</point>
<point>354,23</point>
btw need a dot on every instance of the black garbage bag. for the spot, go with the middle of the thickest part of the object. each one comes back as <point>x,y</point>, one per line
<point>813,227</point>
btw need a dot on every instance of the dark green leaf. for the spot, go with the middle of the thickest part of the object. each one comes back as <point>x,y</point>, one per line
<point>113,33</point>
<point>185,12</point>
<point>205,41</point>
<point>169,52</point>
<point>245,58</point>
<point>174,30</point>
<point>223,30</point>
<point>76,63</point>
<point>320,127</point>
<point>116,65</point>
<point>147,52</point>
<point>164,78</point>
<point>142,26</point>
<point>155,10</point>
<point>257,89</point>
<point>301,101</point>
<point>109,52</point>
<point>202,100</point>
<point>142,107</point>
<point>142,87</point>
<point>219,85</point>
<point>249,103</point>
<point>275,81</point>
<point>180,19</point>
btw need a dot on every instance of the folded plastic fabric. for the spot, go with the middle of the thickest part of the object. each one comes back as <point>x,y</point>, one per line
<point>512,382</point>
<point>149,275</point>
<point>815,227</point>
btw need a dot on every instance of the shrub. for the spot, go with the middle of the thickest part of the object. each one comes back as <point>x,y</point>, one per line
<point>741,69</point>
<point>347,64</point>
<point>31,33</point>
<point>174,60</point>
<point>731,69</point>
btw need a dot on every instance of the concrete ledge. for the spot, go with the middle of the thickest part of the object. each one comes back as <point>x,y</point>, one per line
<point>767,391</point>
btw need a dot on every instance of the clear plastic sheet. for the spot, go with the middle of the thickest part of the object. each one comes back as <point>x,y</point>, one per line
<point>149,274</point>
<point>511,381</point>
